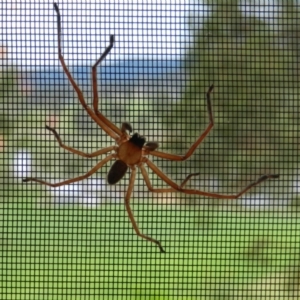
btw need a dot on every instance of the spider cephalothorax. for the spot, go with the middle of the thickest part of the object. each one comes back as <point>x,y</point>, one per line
<point>131,152</point>
<point>128,154</point>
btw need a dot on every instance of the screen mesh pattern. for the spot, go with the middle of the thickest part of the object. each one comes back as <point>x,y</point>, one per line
<point>149,150</point>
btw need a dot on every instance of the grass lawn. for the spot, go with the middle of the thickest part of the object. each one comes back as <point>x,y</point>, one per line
<point>71,252</point>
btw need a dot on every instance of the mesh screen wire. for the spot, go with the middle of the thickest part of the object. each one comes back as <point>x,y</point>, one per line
<point>77,240</point>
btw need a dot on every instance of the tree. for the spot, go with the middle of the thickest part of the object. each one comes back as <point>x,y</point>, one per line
<point>252,64</point>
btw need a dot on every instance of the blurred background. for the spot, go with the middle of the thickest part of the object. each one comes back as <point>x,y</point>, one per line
<point>77,240</point>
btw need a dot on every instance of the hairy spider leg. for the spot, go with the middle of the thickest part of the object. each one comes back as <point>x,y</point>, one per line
<point>72,180</point>
<point>179,188</point>
<point>95,90</point>
<point>131,216</point>
<point>110,130</point>
<point>194,146</point>
<point>73,150</point>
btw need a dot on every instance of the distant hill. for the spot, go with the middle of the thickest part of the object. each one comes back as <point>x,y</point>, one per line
<point>119,73</point>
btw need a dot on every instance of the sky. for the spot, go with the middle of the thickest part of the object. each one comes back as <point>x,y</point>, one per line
<point>141,28</point>
<point>153,29</point>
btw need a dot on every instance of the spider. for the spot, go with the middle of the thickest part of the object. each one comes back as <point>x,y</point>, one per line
<point>132,151</point>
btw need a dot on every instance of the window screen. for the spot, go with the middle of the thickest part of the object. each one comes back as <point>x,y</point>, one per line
<point>175,69</point>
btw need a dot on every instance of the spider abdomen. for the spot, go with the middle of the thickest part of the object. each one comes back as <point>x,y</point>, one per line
<point>117,172</point>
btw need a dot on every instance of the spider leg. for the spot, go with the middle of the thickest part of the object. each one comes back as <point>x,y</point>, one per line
<point>163,190</point>
<point>179,188</point>
<point>194,146</point>
<point>79,178</point>
<point>78,152</point>
<point>100,122</point>
<point>131,216</point>
<point>149,185</point>
<point>101,117</point>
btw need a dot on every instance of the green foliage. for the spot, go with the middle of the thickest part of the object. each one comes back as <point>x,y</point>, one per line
<point>254,67</point>
<point>75,252</point>
<point>9,99</point>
